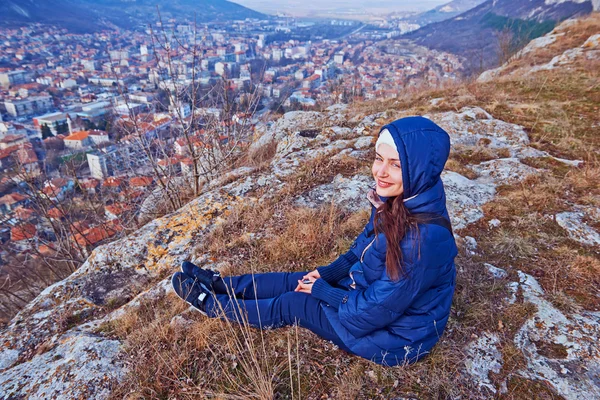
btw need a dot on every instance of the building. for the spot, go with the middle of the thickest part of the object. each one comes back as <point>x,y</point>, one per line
<point>108,161</point>
<point>78,140</point>
<point>338,58</point>
<point>29,106</point>
<point>11,201</point>
<point>98,136</point>
<point>8,79</point>
<point>142,97</point>
<point>52,121</point>
<point>10,141</point>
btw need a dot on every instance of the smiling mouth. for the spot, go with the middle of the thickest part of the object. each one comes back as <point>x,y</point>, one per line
<point>383,184</point>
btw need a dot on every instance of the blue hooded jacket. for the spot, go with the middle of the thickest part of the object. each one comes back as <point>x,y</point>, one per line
<point>397,322</point>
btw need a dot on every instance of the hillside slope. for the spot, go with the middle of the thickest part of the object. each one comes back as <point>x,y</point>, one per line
<point>90,15</point>
<point>444,12</point>
<point>473,34</point>
<point>523,190</point>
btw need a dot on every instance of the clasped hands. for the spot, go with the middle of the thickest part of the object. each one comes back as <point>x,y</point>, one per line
<point>307,287</point>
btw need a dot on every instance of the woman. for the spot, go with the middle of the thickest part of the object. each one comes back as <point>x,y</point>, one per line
<point>388,298</point>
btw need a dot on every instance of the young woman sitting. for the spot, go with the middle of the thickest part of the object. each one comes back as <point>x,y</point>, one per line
<point>388,298</point>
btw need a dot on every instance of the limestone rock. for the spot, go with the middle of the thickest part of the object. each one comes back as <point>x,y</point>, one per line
<point>482,358</point>
<point>503,170</point>
<point>364,142</point>
<point>465,197</point>
<point>496,272</point>
<point>576,335</point>
<point>80,366</point>
<point>578,230</point>
<point>347,193</point>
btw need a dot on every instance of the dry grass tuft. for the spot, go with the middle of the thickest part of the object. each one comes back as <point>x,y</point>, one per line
<point>261,156</point>
<point>456,166</point>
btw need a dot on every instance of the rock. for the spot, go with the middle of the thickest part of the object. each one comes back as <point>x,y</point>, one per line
<point>470,243</point>
<point>291,122</point>
<point>342,133</point>
<point>494,223</point>
<point>577,335</point>
<point>473,124</point>
<point>592,42</point>
<point>336,114</point>
<point>503,170</point>
<point>513,287</point>
<point>496,272</point>
<point>364,142</point>
<point>8,358</point>
<point>465,197</point>
<point>578,230</point>
<point>81,366</point>
<point>572,163</point>
<point>63,311</point>
<point>483,357</point>
<point>347,193</point>
<point>295,150</point>
<point>368,122</point>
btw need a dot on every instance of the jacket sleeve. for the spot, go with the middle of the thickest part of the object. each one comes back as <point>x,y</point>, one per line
<point>363,311</point>
<point>338,269</point>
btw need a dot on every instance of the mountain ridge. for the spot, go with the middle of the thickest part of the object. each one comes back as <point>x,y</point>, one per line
<point>90,16</point>
<point>444,11</point>
<point>472,34</point>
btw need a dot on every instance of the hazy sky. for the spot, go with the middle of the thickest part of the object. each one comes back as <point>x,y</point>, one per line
<point>317,6</point>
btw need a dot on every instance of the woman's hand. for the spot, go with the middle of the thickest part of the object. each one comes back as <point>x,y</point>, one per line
<point>305,284</point>
<point>312,274</point>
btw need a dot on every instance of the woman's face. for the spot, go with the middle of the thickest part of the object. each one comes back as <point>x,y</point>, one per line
<point>387,171</point>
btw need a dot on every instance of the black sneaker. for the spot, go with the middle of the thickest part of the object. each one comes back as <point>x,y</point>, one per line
<point>207,277</point>
<point>190,290</point>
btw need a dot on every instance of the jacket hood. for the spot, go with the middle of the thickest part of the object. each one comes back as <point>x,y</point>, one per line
<point>424,148</point>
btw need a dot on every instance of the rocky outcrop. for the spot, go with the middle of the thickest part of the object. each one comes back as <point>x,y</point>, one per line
<point>54,348</point>
<point>559,350</point>
<point>589,50</point>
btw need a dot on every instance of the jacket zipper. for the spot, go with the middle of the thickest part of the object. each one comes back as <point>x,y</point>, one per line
<point>366,248</point>
<point>353,284</point>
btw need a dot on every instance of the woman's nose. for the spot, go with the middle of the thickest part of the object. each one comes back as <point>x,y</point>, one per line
<point>382,171</point>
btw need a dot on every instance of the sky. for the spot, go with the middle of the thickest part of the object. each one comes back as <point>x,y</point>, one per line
<point>319,7</point>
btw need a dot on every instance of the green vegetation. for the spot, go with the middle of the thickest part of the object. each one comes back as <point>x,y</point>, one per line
<point>523,30</point>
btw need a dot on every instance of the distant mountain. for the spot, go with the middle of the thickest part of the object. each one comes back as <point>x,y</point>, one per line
<point>443,12</point>
<point>94,15</point>
<point>474,34</point>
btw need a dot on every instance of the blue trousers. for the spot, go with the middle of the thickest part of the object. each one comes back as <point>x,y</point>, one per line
<point>268,300</point>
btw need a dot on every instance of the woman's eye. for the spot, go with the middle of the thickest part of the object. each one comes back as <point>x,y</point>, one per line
<point>396,165</point>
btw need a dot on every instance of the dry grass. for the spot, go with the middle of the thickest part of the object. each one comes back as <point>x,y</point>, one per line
<point>458,167</point>
<point>319,170</point>
<point>260,156</point>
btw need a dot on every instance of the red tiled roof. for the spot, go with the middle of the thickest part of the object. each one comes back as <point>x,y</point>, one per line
<point>22,232</point>
<point>55,213</point>
<point>12,198</point>
<point>88,183</point>
<point>47,249</point>
<point>26,155</point>
<point>111,181</point>
<point>97,234</point>
<point>140,181</point>
<point>81,135</point>
<point>117,208</point>
<point>24,213</point>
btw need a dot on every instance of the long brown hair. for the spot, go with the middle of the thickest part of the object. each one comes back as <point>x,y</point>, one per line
<point>393,219</point>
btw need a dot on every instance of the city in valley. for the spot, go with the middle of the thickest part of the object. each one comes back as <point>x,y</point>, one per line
<point>95,119</point>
